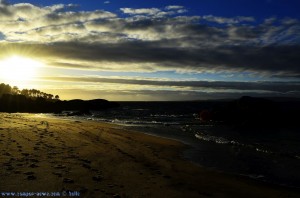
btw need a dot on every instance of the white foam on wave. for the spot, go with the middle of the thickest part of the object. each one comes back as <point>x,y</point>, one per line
<point>209,138</point>
<point>221,140</point>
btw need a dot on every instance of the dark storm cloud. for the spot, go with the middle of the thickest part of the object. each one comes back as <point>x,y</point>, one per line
<point>281,87</point>
<point>279,59</point>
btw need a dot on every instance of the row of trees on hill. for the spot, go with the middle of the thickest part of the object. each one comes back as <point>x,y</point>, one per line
<point>13,100</point>
<point>29,93</point>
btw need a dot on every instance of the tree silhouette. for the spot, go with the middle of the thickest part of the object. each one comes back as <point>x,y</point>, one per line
<point>15,90</point>
<point>28,93</point>
<point>25,92</point>
<point>4,89</point>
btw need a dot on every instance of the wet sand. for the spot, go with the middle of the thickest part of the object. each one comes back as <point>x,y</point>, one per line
<point>40,154</point>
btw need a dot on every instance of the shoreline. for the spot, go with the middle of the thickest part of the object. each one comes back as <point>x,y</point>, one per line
<point>187,154</point>
<point>99,159</point>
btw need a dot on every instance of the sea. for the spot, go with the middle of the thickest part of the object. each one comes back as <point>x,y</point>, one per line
<point>271,156</point>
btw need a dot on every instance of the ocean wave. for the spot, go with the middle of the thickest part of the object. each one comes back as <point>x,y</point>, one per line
<point>142,122</point>
<point>170,116</point>
<point>210,138</point>
<point>222,140</point>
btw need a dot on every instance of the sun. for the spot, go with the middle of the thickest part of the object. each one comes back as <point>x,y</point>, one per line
<point>17,70</point>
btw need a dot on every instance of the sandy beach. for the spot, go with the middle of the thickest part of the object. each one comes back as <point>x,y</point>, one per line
<point>91,159</point>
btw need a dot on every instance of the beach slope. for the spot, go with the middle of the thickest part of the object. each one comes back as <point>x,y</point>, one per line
<point>91,159</point>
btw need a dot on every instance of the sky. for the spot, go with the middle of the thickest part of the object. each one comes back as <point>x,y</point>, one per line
<point>133,50</point>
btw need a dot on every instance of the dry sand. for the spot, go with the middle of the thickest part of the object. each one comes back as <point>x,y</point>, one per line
<point>40,154</point>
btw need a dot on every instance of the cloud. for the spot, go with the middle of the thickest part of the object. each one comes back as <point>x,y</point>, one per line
<point>270,21</point>
<point>151,39</point>
<point>272,59</point>
<point>158,95</point>
<point>155,12</point>
<point>3,2</point>
<point>224,20</point>
<point>174,7</point>
<point>106,2</point>
<point>136,88</point>
<point>147,11</point>
<point>266,86</point>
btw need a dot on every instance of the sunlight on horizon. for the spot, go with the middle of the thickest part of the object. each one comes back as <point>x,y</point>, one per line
<point>19,70</point>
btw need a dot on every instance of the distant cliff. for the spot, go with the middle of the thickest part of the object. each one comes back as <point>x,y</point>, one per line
<point>20,103</point>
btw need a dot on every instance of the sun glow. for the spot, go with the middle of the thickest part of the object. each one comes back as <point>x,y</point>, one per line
<point>18,70</point>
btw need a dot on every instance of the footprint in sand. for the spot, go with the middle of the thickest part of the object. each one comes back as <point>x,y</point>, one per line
<point>59,174</point>
<point>9,167</point>
<point>33,160</point>
<point>17,172</point>
<point>95,170</point>
<point>68,180</point>
<point>36,148</point>
<point>59,166</point>
<point>83,190</point>
<point>12,159</point>
<point>72,156</point>
<point>85,165</point>
<point>97,178</point>
<point>85,160</point>
<point>30,175</point>
<point>33,166</point>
